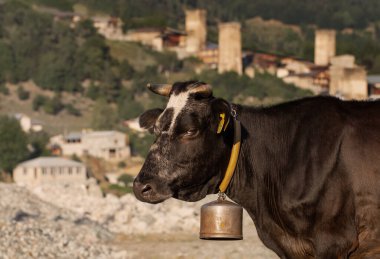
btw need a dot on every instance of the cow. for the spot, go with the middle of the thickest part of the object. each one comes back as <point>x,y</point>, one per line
<point>308,173</point>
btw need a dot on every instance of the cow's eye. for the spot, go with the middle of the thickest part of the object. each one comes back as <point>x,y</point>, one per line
<point>190,133</point>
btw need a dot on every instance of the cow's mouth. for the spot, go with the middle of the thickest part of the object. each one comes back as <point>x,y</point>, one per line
<point>191,193</point>
<point>148,193</point>
<point>154,199</point>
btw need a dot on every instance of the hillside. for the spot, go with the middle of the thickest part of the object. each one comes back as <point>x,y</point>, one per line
<point>337,14</point>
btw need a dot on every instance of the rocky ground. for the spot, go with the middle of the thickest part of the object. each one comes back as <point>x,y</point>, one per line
<point>52,222</point>
<point>32,228</point>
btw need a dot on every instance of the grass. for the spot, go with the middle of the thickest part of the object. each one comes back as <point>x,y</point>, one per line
<point>134,53</point>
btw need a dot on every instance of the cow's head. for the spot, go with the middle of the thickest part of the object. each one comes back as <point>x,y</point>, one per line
<point>188,158</point>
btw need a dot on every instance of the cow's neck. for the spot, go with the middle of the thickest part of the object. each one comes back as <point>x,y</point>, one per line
<point>242,188</point>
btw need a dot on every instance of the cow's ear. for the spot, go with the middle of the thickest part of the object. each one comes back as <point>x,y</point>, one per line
<point>221,111</point>
<point>148,119</point>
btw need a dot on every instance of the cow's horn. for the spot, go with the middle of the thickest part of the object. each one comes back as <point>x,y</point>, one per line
<point>203,89</point>
<point>161,89</point>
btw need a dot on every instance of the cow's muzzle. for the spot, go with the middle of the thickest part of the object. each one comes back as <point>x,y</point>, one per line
<point>147,192</point>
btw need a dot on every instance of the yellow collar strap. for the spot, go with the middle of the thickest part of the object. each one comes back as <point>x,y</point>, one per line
<point>234,155</point>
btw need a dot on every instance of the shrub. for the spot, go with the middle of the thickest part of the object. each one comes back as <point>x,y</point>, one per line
<point>38,102</point>
<point>53,106</point>
<point>22,93</point>
<point>126,179</point>
<point>121,164</point>
<point>3,89</point>
<point>72,110</point>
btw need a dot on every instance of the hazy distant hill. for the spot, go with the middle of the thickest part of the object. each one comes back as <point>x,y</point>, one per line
<point>336,14</point>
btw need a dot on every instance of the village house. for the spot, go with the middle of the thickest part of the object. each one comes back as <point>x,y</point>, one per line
<point>48,170</point>
<point>109,27</point>
<point>109,145</point>
<point>28,124</point>
<point>347,79</point>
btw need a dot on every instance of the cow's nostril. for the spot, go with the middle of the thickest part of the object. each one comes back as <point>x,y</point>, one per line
<point>146,190</point>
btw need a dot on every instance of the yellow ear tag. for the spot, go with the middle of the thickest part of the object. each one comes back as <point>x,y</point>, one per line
<point>221,123</point>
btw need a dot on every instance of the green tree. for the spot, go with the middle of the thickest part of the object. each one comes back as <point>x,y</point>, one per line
<point>38,142</point>
<point>126,70</point>
<point>38,101</point>
<point>70,108</point>
<point>53,106</point>
<point>22,93</point>
<point>13,144</point>
<point>3,88</point>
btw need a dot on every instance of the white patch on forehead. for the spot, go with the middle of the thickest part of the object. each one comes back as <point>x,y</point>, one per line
<point>177,102</point>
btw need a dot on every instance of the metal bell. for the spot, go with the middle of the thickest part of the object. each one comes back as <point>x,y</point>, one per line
<point>221,219</point>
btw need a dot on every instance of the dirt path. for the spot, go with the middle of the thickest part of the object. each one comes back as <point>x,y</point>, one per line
<point>190,246</point>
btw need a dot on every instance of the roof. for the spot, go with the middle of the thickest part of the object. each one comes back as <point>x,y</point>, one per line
<point>102,133</point>
<point>373,79</point>
<point>73,135</point>
<point>79,135</point>
<point>49,162</point>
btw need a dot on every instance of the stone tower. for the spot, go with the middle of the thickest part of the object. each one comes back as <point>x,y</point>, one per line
<point>324,47</point>
<point>230,48</point>
<point>196,30</point>
<point>347,79</point>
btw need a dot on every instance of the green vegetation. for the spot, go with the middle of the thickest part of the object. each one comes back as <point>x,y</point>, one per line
<point>22,93</point>
<point>50,105</point>
<point>4,89</point>
<point>38,142</point>
<point>336,14</point>
<point>126,179</point>
<point>103,116</point>
<point>118,190</point>
<point>13,144</point>
<point>16,146</point>
<point>72,110</point>
<point>231,85</point>
<point>38,101</point>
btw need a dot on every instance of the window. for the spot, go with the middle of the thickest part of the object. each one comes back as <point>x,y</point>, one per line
<point>25,170</point>
<point>44,171</point>
<point>70,171</point>
<point>112,152</point>
<point>78,170</point>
